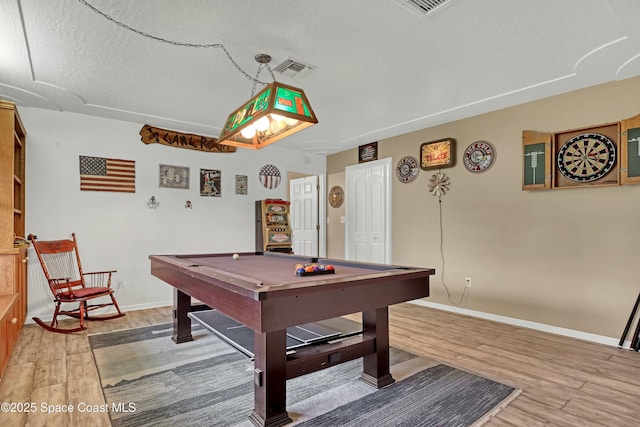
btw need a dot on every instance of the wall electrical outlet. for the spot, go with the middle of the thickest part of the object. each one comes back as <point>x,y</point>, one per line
<point>467,282</point>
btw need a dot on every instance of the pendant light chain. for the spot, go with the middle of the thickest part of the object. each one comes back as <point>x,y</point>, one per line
<point>175,43</point>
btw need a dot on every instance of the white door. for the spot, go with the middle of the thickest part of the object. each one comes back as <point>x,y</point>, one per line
<point>368,228</point>
<point>303,193</point>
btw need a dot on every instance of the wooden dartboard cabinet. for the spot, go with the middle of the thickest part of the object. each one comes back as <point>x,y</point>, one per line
<point>594,156</point>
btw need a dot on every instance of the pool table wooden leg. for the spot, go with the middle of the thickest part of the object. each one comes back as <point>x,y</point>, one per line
<point>270,380</point>
<point>376,366</point>
<point>181,322</point>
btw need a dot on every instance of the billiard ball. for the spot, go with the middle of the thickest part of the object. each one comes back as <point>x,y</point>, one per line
<point>235,256</point>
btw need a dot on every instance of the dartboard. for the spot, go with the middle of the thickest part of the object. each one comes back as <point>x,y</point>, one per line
<point>586,157</point>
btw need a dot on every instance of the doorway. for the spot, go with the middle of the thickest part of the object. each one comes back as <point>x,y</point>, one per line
<point>368,227</point>
<point>305,227</point>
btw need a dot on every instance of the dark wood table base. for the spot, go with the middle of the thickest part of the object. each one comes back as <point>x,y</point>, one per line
<point>261,291</point>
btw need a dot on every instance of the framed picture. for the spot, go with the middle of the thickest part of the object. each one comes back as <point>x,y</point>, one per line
<point>174,177</point>
<point>210,183</point>
<point>242,184</point>
<point>368,152</point>
<point>438,154</point>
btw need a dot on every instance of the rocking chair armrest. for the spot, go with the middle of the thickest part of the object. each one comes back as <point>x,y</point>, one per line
<point>99,272</point>
<point>98,278</point>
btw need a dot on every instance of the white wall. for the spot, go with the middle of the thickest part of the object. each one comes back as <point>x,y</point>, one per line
<point>118,230</point>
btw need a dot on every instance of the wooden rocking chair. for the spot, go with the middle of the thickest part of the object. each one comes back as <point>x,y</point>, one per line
<point>60,263</point>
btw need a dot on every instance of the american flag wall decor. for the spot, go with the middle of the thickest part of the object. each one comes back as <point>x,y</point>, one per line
<point>270,176</point>
<point>102,174</point>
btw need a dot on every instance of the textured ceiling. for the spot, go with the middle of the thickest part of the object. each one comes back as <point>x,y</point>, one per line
<point>380,69</point>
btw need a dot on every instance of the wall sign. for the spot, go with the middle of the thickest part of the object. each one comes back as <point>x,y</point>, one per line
<point>153,135</point>
<point>438,154</point>
<point>368,152</point>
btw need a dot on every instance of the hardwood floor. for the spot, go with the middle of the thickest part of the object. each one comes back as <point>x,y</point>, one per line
<point>564,381</point>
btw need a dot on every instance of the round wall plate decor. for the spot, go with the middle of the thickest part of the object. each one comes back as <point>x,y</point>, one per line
<point>336,196</point>
<point>478,156</point>
<point>270,176</point>
<point>407,169</point>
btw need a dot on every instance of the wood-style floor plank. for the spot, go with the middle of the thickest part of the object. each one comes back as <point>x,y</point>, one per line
<point>564,382</point>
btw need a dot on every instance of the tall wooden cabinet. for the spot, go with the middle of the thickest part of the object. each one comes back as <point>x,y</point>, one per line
<point>13,246</point>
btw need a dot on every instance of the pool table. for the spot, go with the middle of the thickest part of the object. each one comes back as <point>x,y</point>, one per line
<point>263,292</point>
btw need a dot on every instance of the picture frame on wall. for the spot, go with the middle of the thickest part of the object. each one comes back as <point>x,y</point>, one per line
<point>368,152</point>
<point>210,183</point>
<point>171,176</point>
<point>242,184</point>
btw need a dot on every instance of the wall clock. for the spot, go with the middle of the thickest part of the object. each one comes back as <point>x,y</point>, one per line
<point>336,196</point>
<point>478,156</point>
<point>407,169</point>
<point>586,157</point>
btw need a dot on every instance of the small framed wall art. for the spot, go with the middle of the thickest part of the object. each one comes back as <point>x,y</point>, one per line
<point>174,177</point>
<point>368,152</point>
<point>210,183</point>
<point>242,184</point>
<point>438,154</point>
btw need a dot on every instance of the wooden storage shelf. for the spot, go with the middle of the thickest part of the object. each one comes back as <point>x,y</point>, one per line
<point>13,258</point>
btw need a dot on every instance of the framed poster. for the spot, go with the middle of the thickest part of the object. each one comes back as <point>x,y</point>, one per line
<point>438,154</point>
<point>368,152</point>
<point>174,177</point>
<point>210,183</point>
<point>242,184</point>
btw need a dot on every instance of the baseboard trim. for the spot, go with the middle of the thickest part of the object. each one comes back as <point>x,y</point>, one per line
<point>600,339</point>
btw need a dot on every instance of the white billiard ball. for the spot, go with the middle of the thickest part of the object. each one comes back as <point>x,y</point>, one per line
<point>236,256</point>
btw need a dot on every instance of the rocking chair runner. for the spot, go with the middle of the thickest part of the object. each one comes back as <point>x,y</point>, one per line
<point>60,263</point>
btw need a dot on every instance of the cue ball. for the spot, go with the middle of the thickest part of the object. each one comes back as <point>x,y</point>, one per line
<point>236,256</point>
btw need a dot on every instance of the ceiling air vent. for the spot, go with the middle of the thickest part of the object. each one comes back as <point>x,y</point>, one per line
<point>421,7</point>
<point>293,68</point>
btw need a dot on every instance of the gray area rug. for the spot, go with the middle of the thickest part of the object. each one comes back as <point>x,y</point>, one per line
<point>207,382</point>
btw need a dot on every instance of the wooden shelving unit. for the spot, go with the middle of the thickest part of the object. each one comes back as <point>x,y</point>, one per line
<point>13,247</point>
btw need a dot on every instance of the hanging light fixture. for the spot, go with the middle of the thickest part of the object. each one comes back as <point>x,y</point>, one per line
<point>277,111</point>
